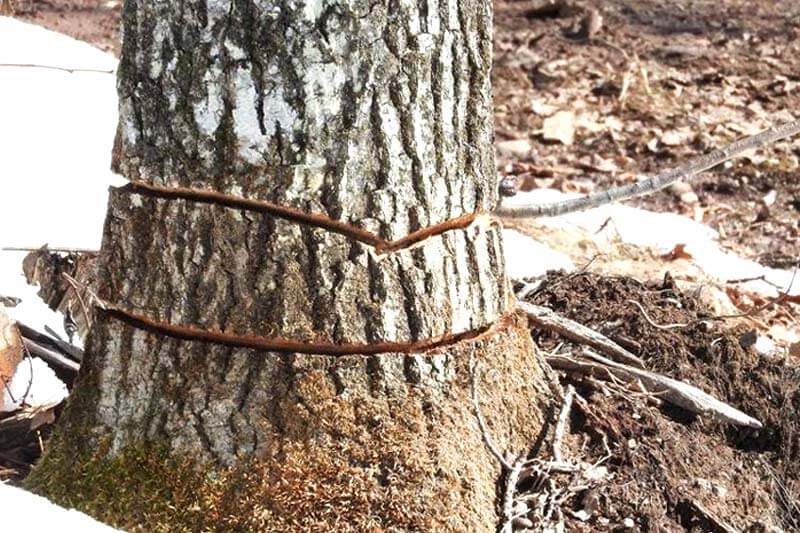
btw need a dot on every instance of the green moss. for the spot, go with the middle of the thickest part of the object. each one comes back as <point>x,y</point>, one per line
<point>141,485</point>
<point>146,488</point>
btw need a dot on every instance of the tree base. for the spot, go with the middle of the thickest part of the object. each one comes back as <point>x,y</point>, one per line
<point>392,444</point>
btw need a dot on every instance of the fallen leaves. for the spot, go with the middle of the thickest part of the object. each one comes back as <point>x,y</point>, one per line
<point>560,127</point>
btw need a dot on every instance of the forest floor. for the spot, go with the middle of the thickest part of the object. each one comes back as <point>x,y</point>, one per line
<point>651,84</point>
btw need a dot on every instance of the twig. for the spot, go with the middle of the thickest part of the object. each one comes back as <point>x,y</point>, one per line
<point>53,67</point>
<point>654,183</point>
<point>23,400</point>
<point>784,295</point>
<point>48,249</point>
<point>673,391</point>
<point>508,498</point>
<point>762,277</point>
<point>653,323</point>
<point>76,287</point>
<point>8,390</point>
<point>487,439</point>
<point>561,425</point>
<point>547,319</point>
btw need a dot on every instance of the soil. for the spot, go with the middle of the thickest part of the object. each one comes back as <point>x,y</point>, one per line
<point>659,82</point>
<point>664,460</point>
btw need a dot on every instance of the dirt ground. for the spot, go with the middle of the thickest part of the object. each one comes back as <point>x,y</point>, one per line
<point>585,101</point>
<point>663,462</point>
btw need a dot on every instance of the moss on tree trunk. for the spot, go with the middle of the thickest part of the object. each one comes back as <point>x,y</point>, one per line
<point>354,124</point>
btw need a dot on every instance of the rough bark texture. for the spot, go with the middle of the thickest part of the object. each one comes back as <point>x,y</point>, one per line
<point>375,113</point>
<point>251,273</point>
<point>324,443</point>
<point>372,115</point>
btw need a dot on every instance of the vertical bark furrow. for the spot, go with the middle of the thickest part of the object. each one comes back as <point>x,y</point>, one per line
<point>295,81</point>
<point>297,282</point>
<point>228,415</point>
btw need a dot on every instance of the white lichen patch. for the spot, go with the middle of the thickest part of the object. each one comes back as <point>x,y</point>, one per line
<point>278,113</point>
<point>216,10</point>
<point>130,133</point>
<point>245,117</point>
<point>234,52</point>
<point>208,111</point>
<point>312,9</point>
<point>159,35</point>
<point>323,86</point>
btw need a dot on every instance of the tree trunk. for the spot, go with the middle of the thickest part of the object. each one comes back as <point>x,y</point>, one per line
<point>298,276</point>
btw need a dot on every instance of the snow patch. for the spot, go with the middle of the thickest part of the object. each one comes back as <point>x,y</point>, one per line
<point>663,232</point>
<point>25,511</point>
<point>56,133</point>
<point>33,384</point>
<point>528,258</point>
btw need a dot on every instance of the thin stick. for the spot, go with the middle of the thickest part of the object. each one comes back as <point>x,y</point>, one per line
<point>561,425</point>
<point>47,249</point>
<point>76,287</point>
<point>487,439</point>
<point>510,492</point>
<point>654,183</point>
<point>23,401</point>
<point>784,295</point>
<point>53,67</point>
<point>653,322</point>
<point>547,319</point>
<point>671,390</point>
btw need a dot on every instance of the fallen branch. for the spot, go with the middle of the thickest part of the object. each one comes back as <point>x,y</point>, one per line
<point>51,343</point>
<point>51,356</point>
<point>15,430</point>
<point>673,391</point>
<point>654,183</point>
<point>547,319</point>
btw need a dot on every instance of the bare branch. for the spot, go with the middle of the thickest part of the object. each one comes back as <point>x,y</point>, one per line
<point>45,248</point>
<point>675,392</point>
<point>53,67</point>
<point>654,183</point>
<point>487,439</point>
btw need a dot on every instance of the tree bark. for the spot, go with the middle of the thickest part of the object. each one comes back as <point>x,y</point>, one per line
<point>298,275</point>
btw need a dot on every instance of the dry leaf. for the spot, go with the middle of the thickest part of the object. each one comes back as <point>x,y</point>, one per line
<point>560,127</point>
<point>541,108</point>
<point>515,148</point>
<point>679,252</point>
<point>11,350</point>
<point>676,137</point>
